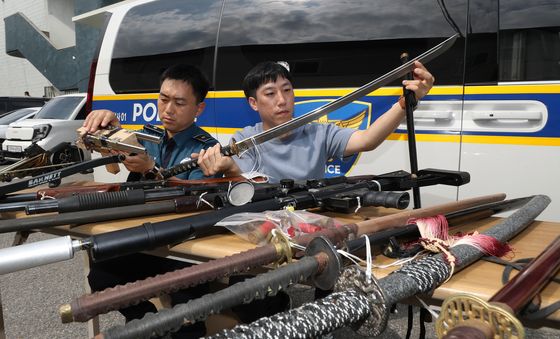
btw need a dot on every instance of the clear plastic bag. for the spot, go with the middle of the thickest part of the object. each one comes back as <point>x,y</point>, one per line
<point>257,227</point>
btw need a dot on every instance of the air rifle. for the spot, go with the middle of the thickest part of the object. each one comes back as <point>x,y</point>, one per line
<point>70,190</point>
<point>88,306</point>
<point>398,180</point>
<point>497,317</point>
<point>151,235</point>
<point>359,298</point>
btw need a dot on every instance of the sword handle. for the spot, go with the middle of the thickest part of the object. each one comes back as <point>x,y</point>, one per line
<point>191,164</point>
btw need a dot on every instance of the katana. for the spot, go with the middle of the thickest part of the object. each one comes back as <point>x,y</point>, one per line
<point>469,316</point>
<point>238,147</point>
<point>88,306</point>
<point>362,303</point>
<point>410,105</point>
<point>322,264</point>
<point>372,299</point>
<point>453,218</point>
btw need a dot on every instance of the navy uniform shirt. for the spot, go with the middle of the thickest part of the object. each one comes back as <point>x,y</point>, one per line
<point>191,140</point>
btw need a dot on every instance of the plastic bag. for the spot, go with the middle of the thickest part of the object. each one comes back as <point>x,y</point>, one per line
<point>257,227</point>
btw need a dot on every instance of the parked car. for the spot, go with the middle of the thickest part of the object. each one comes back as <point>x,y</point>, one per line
<point>8,104</point>
<point>54,124</point>
<point>13,116</point>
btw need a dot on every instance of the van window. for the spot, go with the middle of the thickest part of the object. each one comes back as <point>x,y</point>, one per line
<point>59,108</point>
<point>333,43</point>
<point>529,40</point>
<point>159,34</point>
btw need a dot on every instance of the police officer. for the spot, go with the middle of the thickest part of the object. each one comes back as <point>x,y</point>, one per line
<point>183,89</point>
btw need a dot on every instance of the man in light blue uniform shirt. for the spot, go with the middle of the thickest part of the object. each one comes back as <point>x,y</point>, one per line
<point>302,153</point>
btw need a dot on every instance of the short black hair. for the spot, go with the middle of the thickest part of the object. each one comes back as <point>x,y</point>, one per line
<point>263,73</point>
<point>189,74</point>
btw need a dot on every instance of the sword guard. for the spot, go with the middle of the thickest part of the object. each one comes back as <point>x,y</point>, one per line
<point>327,277</point>
<point>230,149</point>
<point>354,278</point>
<point>462,308</point>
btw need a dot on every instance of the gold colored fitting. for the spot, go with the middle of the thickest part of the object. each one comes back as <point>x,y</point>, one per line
<point>463,308</point>
<point>65,312</point>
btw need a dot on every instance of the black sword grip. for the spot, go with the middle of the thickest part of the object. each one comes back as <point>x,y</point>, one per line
<point>398,200</point>
<point>191,164</point>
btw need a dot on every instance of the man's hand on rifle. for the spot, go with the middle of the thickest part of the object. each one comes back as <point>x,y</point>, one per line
<point>100,119</point>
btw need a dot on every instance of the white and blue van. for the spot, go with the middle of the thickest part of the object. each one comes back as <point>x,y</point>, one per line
<point>494,112</point>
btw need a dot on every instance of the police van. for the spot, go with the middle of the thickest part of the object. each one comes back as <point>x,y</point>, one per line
<point>494,111</point>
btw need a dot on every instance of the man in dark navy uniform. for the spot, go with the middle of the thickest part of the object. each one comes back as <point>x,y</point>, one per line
<point>183,89</point>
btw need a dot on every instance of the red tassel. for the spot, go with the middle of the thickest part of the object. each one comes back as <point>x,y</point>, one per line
<point>438,228</point>
<point>484,243</point>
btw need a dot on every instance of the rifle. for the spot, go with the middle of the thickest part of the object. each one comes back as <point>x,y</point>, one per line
<point>65,191</point>
<point>497,317</point>
<point>151,235</point>
<point>362,301</point>
<point>398,180</point>
<point>88,306</point>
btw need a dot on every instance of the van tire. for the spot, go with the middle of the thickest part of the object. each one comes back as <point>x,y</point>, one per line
<point>66,155</point>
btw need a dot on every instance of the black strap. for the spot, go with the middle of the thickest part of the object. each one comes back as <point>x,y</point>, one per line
<point>532,311</point>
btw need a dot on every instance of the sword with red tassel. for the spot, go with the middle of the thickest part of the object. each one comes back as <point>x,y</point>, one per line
<point>88,306</point>
<point>362,301</point>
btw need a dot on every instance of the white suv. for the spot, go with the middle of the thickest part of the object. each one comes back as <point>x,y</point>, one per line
<point>53,126</point>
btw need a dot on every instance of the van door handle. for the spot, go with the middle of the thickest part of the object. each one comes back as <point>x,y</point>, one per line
<point>506,115</point>
<point>435,115</point>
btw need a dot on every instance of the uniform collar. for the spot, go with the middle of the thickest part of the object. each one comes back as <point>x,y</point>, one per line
<point>185,135</point>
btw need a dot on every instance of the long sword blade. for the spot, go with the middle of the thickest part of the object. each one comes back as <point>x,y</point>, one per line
<point>383,80</point>
<point>245,144</point>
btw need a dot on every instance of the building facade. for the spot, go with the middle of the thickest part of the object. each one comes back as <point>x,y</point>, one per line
<point>43,51</point>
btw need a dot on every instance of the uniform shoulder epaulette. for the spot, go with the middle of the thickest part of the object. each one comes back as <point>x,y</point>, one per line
<point>154,130</point>
<point>203,138</point>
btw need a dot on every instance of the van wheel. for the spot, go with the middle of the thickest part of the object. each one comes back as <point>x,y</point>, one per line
<point>65,155</point>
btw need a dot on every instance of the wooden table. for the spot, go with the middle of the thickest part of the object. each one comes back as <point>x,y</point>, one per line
<point>482,278</point>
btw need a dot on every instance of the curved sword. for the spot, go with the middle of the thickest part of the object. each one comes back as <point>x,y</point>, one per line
<point>247,143</point>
